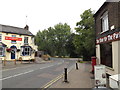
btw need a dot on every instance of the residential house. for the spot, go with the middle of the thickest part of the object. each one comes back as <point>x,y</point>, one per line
<point>16,43</point>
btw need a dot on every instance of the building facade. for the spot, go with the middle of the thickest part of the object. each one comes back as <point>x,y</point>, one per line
<point>16,43</point>
<point>107,27</point>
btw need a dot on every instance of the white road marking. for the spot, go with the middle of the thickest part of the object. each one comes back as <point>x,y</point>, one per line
<point>15,68</point>
<point>26,72</point>
<point>16,75</point>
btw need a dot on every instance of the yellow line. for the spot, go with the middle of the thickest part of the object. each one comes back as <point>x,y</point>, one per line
<point>52,81</point>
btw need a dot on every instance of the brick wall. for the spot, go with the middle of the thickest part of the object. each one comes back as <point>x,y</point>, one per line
<point>113,9</point>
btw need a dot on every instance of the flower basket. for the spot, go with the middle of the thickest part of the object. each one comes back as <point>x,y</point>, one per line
<point>8,49</point>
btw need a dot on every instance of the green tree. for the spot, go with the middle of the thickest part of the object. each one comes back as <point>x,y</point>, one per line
<point>84,40</point>
<point>53,40</point>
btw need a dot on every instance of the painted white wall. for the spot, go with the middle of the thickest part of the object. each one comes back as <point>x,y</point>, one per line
<point>18,45</point>
<point>98,54</point>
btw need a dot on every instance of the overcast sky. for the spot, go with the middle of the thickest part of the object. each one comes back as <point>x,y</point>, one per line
<point>42,14</point>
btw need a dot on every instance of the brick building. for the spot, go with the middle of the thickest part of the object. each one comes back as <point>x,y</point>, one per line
<point>107,27</point>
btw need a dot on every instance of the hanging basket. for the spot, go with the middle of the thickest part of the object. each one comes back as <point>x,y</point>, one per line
<point>8,49</point>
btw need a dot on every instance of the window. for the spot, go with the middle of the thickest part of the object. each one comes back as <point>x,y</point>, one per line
<point>1,51</point>
<point>25,40</point>
<point>104,20</point>
<point>0,37</point>
<point>106,54</point>
<point>13,41</point>
<point>32,38</point>
<point>26,51</point>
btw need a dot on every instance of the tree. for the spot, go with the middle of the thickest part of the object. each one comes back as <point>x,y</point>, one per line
<point>70,47</point>
<point>53,40</point>
<point>84,40</point>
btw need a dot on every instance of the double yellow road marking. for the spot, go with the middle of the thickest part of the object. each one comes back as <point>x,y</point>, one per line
<point>52,81</point>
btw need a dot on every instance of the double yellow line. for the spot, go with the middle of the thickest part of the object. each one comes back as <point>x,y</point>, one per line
<point>52,81</point>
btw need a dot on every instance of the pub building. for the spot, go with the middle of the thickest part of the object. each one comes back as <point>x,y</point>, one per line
<point>107,29</point>
<point>16,43</point>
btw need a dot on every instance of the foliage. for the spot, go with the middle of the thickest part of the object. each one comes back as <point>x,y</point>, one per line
<point>84,40</point>
<point>53,40</point>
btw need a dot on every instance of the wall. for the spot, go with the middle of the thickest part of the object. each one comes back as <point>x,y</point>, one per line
<point>98,54</point>
<point>113,11</point>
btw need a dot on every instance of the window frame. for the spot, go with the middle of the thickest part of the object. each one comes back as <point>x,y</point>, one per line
<point>13,41</point>
<point>25,51</point>
<point>3,51</point>
<point>104,59</point>
<point>105,22</point>
<point>25,40</point>
<point>0,37</point>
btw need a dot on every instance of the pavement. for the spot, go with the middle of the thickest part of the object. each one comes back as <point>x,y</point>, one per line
<point>11,64</point>
<point>81,78</point>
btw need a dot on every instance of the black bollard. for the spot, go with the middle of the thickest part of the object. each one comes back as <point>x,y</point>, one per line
<point>76,66</point>
<point>65,75</point>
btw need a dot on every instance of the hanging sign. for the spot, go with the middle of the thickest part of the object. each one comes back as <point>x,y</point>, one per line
<point>112,37</point>
<point>13,38</point>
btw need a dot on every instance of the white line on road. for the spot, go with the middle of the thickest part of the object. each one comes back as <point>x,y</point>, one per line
<point>15,68</point>
<point>17,75</point>
<point>26,72</point>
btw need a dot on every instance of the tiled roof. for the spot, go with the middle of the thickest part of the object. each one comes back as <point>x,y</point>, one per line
<point>16,30</point>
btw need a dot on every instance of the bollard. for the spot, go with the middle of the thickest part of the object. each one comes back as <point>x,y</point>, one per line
<point>76,66</point>
<point>4,62</point>
<point>15,61</point>
<point>65,75</point>
<point>29,60</point>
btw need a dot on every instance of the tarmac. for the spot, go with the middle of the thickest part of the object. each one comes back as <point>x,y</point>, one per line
<point>13,64</point>
<point>81,78</point>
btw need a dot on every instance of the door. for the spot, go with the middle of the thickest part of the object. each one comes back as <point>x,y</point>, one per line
<point>13,54</point>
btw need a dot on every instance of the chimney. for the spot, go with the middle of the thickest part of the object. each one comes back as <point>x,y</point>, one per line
<point>26,27</point>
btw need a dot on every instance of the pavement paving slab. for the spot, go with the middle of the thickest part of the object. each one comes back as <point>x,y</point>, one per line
<point>80,78</point>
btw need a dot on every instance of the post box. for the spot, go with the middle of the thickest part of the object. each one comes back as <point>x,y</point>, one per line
<point>93,59</point>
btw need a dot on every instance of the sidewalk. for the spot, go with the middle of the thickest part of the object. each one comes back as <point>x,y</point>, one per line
<point>11,64</point>
<point>77,78</point>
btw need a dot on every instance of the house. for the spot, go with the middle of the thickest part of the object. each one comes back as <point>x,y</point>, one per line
<point>107,27</point>
<point>16,43</point>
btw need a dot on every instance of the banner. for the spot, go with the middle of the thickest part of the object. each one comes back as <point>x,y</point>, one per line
<point>13,38</point>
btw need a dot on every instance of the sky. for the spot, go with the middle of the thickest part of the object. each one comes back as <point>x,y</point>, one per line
<point>42,14</point>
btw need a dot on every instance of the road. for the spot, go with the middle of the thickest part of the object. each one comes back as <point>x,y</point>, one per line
<point>35,75</point>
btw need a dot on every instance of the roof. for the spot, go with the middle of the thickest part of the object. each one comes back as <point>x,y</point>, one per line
<point>15,30</point>
<point>2,44</point>
<point>104,4</point>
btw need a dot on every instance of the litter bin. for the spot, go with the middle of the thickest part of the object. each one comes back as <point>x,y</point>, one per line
<point>93,59</point>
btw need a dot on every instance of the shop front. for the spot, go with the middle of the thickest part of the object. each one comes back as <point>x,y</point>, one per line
<point>107,51</point>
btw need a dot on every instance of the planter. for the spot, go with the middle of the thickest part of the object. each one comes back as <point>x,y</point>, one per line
<point>8,49</point>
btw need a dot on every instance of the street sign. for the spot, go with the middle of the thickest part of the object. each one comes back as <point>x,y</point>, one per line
<point>100,75</point>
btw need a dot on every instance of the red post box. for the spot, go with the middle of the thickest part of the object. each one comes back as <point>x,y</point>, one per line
<point>93,59</point>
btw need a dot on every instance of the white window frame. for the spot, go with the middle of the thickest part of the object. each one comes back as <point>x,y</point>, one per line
<point>13,41</point>
<point>0,37</point>
<point>105,24</point>
<point>28,51</point>
<point>3,51</point>
<point>25,40</point>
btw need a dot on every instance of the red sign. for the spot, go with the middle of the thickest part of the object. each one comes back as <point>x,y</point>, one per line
<point>13,38</point>
<point>112,37</point>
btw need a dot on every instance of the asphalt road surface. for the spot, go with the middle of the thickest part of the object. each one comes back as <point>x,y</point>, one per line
<point>35,75</point>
